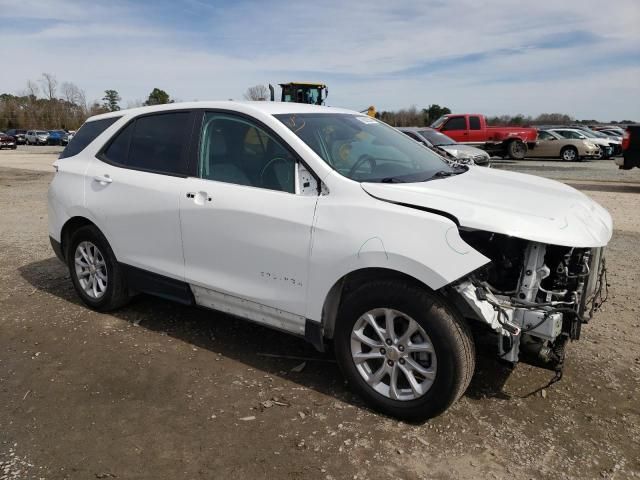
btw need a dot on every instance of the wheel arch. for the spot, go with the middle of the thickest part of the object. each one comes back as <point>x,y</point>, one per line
<point>70,226</point>
<point>353,280</point>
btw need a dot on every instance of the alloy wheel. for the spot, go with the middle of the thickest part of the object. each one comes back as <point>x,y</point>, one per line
<point>569,155</point>
<point>393,354</point>
<point>91,269</point>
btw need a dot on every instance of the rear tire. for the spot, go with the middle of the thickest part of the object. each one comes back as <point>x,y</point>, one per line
<point>569,154</point>
<point>89,256</point>
<point>517,149</point>
<point>452,360</point>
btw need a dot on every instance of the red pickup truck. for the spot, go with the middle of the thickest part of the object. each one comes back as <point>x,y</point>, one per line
<point>472,129</point>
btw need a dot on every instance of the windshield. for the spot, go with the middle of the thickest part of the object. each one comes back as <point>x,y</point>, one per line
<point>364,149</point>
<point>570,134</point>
<point>42,132</point>
<point>438,123</point>
<point>598,134</point>
<point>436,138</point>
<point>588,134</point>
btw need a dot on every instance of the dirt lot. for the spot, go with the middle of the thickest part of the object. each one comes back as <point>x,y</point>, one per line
<point>162,391</point>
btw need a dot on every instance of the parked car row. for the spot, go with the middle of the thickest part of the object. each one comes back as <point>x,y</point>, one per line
<point>38,137</point>
<point>610,145</point>
<point>461,132</point>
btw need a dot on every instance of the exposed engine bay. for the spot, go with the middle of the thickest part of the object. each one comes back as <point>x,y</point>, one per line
<point>534,296</point>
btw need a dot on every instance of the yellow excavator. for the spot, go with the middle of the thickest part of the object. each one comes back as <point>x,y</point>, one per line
<point>308,92</point>
<point>302,92</point>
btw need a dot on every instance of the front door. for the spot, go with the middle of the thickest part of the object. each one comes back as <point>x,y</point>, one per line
<point>456,128</point>
<point>246,230</point>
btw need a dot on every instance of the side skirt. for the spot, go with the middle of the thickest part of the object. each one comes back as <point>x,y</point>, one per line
<point>143,281</point>
<point>243,308</point>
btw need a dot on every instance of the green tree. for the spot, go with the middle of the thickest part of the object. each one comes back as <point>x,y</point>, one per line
<point>158,97</point>
<point>111,99</point>
<point>434,112</point>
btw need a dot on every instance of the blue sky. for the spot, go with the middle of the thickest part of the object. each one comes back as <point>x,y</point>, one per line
<point>580,57</point>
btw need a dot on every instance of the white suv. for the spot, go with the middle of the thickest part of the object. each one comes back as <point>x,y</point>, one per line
<point>330,225</point>
<point>36,137</point>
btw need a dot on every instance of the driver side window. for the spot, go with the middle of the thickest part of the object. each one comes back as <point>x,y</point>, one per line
<point>235,150</point>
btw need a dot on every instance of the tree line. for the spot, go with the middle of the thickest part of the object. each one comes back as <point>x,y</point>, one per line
<point>49,104</point>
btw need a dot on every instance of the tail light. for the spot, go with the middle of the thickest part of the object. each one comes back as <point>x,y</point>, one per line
<point>626,138</point>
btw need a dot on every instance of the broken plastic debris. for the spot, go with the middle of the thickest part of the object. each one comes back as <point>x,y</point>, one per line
<point>299,368</point>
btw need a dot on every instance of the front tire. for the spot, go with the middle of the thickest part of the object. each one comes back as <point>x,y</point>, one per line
<point>517,149</point>
<point>95,272</point>
<point>403,349</point>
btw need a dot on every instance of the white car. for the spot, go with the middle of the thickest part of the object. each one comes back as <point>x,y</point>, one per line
<point>330,225</point>
<point>36,137</point>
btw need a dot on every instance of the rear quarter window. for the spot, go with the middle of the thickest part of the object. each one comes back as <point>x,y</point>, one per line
<point>87,134</point>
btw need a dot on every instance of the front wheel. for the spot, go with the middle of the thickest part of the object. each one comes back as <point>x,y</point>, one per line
<point>517,149</point>
<point>403,349</point>
<point>569,154</point>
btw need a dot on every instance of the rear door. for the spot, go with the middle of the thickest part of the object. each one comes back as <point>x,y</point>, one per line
<point>133,190</point>
<point>456,128</point>
<point>547,146</point>
<point>476,133</point>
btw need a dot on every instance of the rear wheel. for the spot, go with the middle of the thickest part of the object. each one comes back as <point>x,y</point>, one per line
<point>517,149</point>
<point>569,154</point>
<point>403,349</point>
<point>95,272</point>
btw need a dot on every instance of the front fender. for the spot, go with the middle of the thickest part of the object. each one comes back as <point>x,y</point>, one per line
<point>371,233</point>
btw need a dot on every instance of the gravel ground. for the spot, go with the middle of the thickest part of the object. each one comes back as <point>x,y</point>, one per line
<point>158,390</point>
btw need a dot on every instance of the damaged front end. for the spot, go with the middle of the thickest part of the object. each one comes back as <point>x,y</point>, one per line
<point>535,297</point>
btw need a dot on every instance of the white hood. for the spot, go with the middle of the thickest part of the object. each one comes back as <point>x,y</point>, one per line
<point>514,204</point>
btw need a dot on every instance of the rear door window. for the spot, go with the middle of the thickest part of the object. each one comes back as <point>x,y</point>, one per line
<point>544,136</point>
<point>474,123</point>
<point>87,134</point>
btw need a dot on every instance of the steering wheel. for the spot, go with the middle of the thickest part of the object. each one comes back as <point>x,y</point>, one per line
<point>270,164</point>
<point>361,159</point>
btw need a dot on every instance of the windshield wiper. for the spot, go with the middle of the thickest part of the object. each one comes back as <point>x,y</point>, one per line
<point>391,180</point>
<point>446,173</point>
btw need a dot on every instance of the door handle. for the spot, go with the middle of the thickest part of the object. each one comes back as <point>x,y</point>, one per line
<point>104,179</point>
<point>199,197</point>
